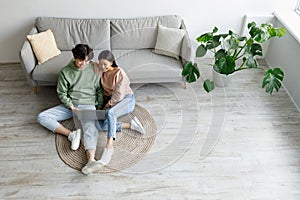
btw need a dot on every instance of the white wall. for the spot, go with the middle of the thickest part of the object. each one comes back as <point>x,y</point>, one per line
<point>288,62</point>
<point>17,16</point>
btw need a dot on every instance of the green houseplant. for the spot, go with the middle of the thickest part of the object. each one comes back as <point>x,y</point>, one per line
<point>230,47</point>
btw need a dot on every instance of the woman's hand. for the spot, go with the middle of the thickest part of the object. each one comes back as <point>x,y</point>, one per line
<point>94,63</point>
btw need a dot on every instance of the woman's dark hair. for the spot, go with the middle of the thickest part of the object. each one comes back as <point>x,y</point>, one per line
<point>81,51</point>
<point>108,55</point>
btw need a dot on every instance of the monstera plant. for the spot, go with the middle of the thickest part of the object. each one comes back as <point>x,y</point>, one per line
<point>230,47</point>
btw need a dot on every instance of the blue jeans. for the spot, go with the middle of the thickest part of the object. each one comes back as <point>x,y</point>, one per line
<point>50,119</point>
<point>110,123</point>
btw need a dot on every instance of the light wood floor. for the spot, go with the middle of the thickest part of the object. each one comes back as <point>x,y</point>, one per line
<point>237,143</point>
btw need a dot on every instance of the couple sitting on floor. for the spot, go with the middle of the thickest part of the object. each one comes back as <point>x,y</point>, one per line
<point>86,85</point>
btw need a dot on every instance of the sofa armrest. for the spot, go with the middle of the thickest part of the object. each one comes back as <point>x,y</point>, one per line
<point>186,47</point>
<point>28,59</point>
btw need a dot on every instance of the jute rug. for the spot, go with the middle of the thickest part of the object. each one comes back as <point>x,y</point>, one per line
<point>129,147</point>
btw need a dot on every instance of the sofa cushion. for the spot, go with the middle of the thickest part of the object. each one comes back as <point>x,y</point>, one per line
<point>139,33</point>
<point>43,45</point>
<point>49,71</point>
<point>144,66</point>
<point>69,32</point>
<point>169,41</point>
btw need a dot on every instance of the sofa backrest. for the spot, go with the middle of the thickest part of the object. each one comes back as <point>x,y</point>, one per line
<point>139,33</point>
<point>69,32</point>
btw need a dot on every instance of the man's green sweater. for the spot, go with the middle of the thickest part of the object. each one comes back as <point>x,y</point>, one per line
<point>77,86</point>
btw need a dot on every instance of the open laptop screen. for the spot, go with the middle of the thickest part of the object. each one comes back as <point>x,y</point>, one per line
<point>90,114</point>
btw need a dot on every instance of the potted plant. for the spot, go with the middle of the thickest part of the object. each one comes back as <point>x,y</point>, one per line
<point>230,47</point>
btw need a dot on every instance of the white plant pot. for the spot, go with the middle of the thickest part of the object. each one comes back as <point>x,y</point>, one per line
<point>221,80</point>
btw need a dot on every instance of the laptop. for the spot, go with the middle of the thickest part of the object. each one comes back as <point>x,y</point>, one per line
<point>90,114</point>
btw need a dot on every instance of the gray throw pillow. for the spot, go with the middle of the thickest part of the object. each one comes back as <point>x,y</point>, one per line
<point>169,41</point>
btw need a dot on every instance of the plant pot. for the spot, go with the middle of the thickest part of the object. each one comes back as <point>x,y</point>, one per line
<point>221,80</point>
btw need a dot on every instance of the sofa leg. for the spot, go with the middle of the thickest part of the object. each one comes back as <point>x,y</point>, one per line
<point>185,85</point>
<point>35,89</point>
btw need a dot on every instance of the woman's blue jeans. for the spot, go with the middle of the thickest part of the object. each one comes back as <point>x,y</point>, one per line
<point>110,124</point>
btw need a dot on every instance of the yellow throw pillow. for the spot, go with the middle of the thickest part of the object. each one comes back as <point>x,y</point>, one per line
<point>43,45</point>
<point>169,41</point>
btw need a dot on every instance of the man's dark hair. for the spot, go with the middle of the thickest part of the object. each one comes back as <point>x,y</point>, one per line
<point>81,51</point>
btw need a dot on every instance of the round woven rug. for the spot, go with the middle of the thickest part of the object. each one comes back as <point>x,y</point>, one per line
<point>129,146</point>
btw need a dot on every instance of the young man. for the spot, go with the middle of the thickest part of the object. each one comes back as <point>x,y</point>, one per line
<point>78,88</point>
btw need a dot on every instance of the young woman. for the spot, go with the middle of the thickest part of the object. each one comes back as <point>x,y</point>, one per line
<point>118,101</point>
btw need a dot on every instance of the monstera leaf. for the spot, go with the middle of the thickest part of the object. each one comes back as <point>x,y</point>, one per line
<point>201,51</point>
<point>191,72</point>
<point>208,85</point>
<point>264,32</point>
<point>272,80</point>
<point>225,65</point>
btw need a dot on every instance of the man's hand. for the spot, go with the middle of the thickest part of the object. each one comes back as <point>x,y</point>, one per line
<point>73,108</point>
<point>106,106</point>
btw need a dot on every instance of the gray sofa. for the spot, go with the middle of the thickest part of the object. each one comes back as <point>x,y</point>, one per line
<point>131,41</point>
